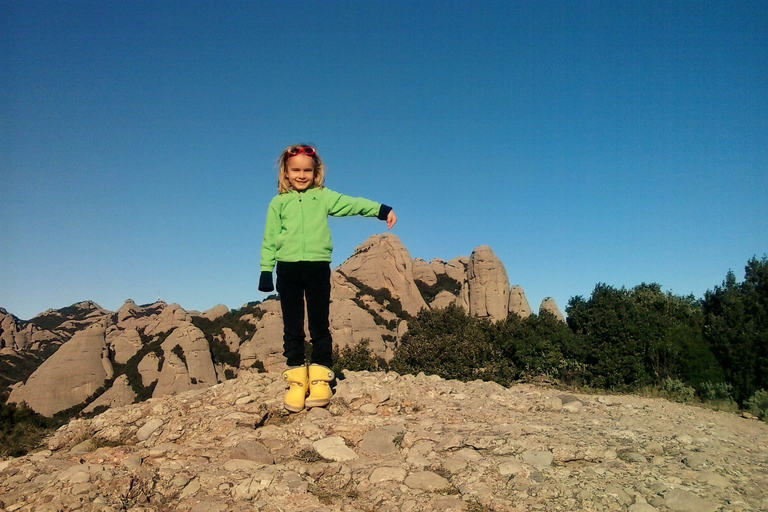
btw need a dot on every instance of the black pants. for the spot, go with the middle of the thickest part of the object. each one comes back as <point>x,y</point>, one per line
<point>295,280</point>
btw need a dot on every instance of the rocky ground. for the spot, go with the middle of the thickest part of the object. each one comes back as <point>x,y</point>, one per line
<point>396,443</point>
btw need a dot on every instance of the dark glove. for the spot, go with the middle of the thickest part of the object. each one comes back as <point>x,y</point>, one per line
<point>265,282</point>
<point>383,212</point>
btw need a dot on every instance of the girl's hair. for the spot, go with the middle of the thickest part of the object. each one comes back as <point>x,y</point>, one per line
<point>282,169</point>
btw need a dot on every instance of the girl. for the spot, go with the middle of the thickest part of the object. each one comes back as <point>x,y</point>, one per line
<point>297,239</point>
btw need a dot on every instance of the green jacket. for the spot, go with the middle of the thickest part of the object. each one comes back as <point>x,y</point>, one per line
<point>297,224</point>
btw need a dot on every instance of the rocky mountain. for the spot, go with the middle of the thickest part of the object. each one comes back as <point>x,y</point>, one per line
<point>105,359</point>
<point>388,442</point>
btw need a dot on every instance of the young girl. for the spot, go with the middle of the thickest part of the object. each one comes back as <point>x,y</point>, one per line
<point>297,239</point>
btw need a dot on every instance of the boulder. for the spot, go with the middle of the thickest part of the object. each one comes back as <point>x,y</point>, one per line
<point>351,324</point>
<point>215,312</point>
<point>123,343</point>
<point>549,305</point>
<point>118,395</point>
<point>455,268</point>
<point>518,304</point>
<point>69,376</point>
<point>170,317</point>
<point>423,272</point>
<point>188,363</point>
<point>266,345</point>
<point>487,285</point>
<point>442,300</point>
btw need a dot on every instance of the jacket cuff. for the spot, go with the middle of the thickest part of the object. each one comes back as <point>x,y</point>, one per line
<point>265,282</point>
<point>383,212</point>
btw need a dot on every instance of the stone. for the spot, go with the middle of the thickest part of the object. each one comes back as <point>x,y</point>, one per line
<point>681,500</point>
<point>334,448</point>
<point>380,442</point>
<point>388,474</point>
<point>252,450</point>
<point>148,429</point>
<point>538,458</point>
<point>427,481</point>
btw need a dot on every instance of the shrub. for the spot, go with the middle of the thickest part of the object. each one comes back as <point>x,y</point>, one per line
<point>357,358</point>
<point>22,429</point>
<point>451,344</point>
<point>677,391</point>
<point>444,282</point>
<point>757,404</point>
<point>715,392</point>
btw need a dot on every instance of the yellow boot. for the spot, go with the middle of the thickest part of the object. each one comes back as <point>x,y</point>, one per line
<point>319,390</point>
<point>296,378</point>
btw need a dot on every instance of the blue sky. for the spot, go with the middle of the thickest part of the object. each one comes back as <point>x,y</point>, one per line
<point>584,141</point>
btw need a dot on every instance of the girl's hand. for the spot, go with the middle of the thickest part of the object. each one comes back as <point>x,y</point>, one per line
<point>391,219</point>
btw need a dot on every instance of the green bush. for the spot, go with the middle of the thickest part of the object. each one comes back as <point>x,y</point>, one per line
<point>757,404</point>
<point>715,392</point>
<point>357,358</point>
<point>677,391</point>
<point>450,343</point>
<point>22,429</point>
<point>444,283</point>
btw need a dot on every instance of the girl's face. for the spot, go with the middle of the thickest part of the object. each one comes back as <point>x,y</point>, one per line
<point>300,171</point>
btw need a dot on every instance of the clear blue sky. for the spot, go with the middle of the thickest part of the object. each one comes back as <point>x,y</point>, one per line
<point>584,141</point>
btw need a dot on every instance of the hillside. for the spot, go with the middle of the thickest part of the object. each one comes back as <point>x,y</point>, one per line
<point>389,442</point>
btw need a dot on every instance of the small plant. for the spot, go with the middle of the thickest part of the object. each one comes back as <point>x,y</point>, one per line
<point>677,391</point>
<point>308,455</point>
<point>717,393</point>
<point>757,404</point>
<point>358,358</point>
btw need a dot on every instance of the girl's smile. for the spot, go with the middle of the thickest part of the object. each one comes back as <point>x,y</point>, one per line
<point>300,172</point>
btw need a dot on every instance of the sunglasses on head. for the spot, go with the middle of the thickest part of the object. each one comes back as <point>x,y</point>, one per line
<point>307,150</point>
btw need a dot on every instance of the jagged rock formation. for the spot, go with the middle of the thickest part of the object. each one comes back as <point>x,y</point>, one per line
<point>17,336</point>
<point>161,348</point>
<point>383,262</point>
<point>70,376</point>
<point>388,442</point>
<point>549,305</point>
<point>518,304</point>
<point>487,285</point>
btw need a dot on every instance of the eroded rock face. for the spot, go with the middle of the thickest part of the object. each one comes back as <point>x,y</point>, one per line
<point>390,442</point>
<point>17,336</point>
<point>487,285</point>
<point>70,376</point>
<point>188,363</point>
<point>423,272</point>
<point>549,305</point>
<point>383,262</point>
<point>518,304</point>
